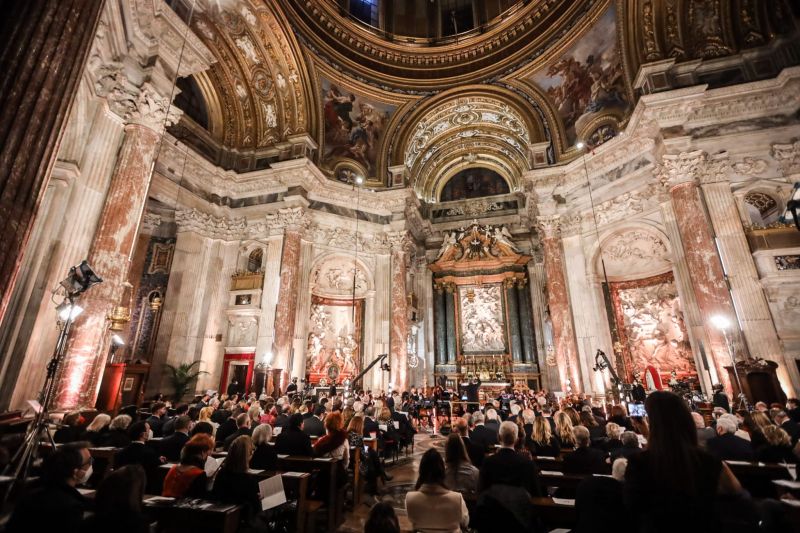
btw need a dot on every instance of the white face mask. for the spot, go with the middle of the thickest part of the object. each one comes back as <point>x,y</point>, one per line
<point>85,476</point>
<point>149,434</point>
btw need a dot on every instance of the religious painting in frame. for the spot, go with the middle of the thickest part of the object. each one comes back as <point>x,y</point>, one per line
<point>481,319</point>
<point>651,326</point>
<point>335,338</point>
<point>353,126</point>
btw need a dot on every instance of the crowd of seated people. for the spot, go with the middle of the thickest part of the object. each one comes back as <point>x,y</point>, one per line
<point>655,472</point>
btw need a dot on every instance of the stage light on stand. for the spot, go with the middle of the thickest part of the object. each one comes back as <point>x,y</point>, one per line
<point>68,311</point>
<point>116,340</point>
<point>80,279</point>
<point>579,145</point>
<point>720,322</point>
<point>792,212</point>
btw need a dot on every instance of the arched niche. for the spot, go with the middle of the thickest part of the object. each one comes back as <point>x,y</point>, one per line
<point>473,182</point>
<point>632,251</point>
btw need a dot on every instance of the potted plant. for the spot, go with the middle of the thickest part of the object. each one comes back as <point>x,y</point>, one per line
<point>182,377</point>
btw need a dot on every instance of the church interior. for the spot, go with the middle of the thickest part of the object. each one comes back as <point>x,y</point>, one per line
<point>443,208</point>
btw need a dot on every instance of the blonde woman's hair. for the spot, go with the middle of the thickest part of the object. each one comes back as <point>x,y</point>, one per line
<point>541,431</point>
<point>120,422</point>
<point>613,430</point>
<point>99,422</point>
<point>262,434</point>
<point>254,412</point>
<point>761,420</point>
<point>564,429</point>
<point>777,436</point>
<point>205,414</point>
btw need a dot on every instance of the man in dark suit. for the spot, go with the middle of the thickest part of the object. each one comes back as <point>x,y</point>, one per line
<point>492,420</point>
<point>481,435</point>
<point>228,427</point>
<point>156,419</point>
<point>791,427</point>
<point>56,505</point>
<point>507,467</point>
<point>726,445</point>
<point>585,459</point>
<point>283,417</point>
<point>169,422</point>
<point>370,424</point>
<point>221,415</point>
<point>242,428</point>
<point>312,426</point>
<point>793,409</point>
<point>292,440</point>
<point>137,452</point>
<point>171,446</point>
<point>476,453</point>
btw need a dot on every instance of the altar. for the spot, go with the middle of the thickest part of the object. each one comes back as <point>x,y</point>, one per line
<point>482,311</point>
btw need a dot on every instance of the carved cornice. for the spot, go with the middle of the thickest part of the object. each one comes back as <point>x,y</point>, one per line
<point>677,169</point>
<point>345,239</point>
<point>549,226</point>
<point>192,220</point>
<point>288,219</point>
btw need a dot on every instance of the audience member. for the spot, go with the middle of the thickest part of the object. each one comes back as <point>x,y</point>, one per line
<point>264,455</point>
<point>371,463</point>
<point>542,441</point>
<point>791,427</point>
<point>334,443</point>
<point>704,434</point>
<point>117,436</point>
<point>118,503</point>
<point>168,428</point>
<point>619,415</point>
<point>70,430</point>
<point>596,431</point>
<point>382,519</point>
<point>171,446</point>
<point>137,452</point>
<point>202,427</point>
<point>156,419</point>
<point>56,505</point>
<point>584,460</point>
<point>460,475</point>
<point>630,446</point>
<point>189,477</point>
<point>673,484</point>
<point>564,430</point>
<point>507,467</point>
<point>431,493</point>
<point>97,430</point>
<point>233,484</point>
<point>313,426</point>
<point>598,501</point>
<point>243,421</point>
<point>484,437</point>
<point>778,447</point>
<point>726,445</point>
<point>292,440</point>
<point>475,452</point>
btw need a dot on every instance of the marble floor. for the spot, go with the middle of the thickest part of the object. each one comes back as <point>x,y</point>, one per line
<point>404,475</point>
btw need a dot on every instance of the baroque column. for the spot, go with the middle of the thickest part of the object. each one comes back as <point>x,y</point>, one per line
<point>292,220</point>
<point>525,321</point>
<point>45,45</point>
<point>450,322</point>
<point>441,324</point>
<point>558,300</point>
<point>146,113</point>
<point>513,320</point>
<point>748,295</point>
<point>679,174</point>
<point>399,242</point>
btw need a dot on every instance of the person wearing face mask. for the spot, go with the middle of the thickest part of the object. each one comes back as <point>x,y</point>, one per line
<point>138,453</point>
<point>56,504</point>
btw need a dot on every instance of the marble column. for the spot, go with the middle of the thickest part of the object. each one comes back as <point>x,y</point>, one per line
<point>441,325</point>
<point>525,321</point>
<point>292,219</point>
<point>269,294</point>
<point>512,311</point>
<point>298,365</point>
<point>691,311</point>
<point>113,245</point>
<point>45,45</point>
<point>679,174</point>
<point>450,322</point>
<point>748,295</point>
<point>537,276</point>
<point>558,301</point>
<point>399,333</point>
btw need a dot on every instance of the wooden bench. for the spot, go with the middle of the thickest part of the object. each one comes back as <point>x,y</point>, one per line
<point>757,477</point>
<point>328,471</point>
<point>554,515</point>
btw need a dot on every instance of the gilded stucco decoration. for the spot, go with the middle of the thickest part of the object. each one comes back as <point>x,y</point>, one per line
<point>257,86</point>
<point>479,126</point>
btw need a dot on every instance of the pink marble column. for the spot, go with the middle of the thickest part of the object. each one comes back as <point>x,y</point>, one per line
<point>110,257</point>
<point>292,220</point>
<point>146,113</point>
<point>679,174</point>
<point>565,346</point>
<point>399,302</point>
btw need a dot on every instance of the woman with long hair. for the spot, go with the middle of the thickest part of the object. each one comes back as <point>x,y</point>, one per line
<point>334,443</point>
<point>521,446</point>
<point>564,427</point>
<point>431,493</point>
<point>596,431</point>
<point>619,415</point>
<point>673,484</point>
<point>460,475</point>
<point>573,415</point>
<point>778,447</point>
<point>233,484</point>
<point>118,503</point>
<point>542,441</point>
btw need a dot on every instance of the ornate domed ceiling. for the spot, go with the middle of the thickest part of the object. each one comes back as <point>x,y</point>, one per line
<point>401,105</point>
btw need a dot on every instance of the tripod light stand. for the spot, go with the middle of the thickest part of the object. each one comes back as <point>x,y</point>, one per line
<point>80,279</point>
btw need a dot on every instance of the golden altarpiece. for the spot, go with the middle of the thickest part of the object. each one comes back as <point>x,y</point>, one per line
<point>482,313</point>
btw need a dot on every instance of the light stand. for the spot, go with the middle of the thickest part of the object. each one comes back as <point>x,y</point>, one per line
<point>722,324</point>
<point>80,279</point>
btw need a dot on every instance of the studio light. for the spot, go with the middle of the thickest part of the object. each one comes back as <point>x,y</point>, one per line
<point>116,340</point>
<point>268,358</point>
<point>792,213</point>
<point>80,279</point>
<point>359,180</point>
<point>580,145</point>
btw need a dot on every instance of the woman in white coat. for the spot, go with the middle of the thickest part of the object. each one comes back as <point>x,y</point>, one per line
<point>432,507</point>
